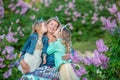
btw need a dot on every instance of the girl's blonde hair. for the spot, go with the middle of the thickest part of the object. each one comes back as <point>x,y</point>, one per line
<point>55,19</point>
<point>66,38</point>
<point>36,24</point>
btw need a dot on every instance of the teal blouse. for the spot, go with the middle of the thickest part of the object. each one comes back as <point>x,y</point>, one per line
<point>59,50</point>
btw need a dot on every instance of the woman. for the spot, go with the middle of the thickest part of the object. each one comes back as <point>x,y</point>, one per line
<point>52,24</point>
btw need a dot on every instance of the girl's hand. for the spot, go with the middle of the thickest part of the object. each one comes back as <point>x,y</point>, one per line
<point>25,66</point>
<point>44,61</point>
<point>66,57</point>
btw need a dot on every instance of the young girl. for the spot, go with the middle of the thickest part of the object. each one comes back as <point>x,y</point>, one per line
<point>32,49</point>
<point>59,48</point>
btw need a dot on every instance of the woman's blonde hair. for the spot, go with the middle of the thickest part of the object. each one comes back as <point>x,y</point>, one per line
<point>55,19</point>
<point>66,38</point>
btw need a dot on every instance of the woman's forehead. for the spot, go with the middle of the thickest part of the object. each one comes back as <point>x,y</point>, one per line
<point>53,21</point>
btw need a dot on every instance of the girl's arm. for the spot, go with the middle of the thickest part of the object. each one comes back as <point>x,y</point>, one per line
<point>44,50</point>
<point>52,48</point>
<point>45,46</point>
<point>23,50</point>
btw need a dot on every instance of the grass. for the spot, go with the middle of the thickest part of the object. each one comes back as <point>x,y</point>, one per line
<point>84,46</point>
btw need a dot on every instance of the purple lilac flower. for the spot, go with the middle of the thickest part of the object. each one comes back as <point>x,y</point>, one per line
<point>101,46</point>
<point>118,16</point>
<point>95,60</point>
<point>10,36</point>
<point>1,11</point>
<point>76,14</point>
<point>103,20</point>
<point>95,2</point>
<point>113,9</point>
<point>4,51</point>
<point>108,24</point>
<point>74,18</point>
<point>8,73</point>
<point>71,5</point>
<point>2,65</point>
<point>10,5</point>
<point>76,58</point>
<point>101,7</point>
<point>94,18</point>
<point>17,11</point>
<point>104,59</point>
<point>9,49</point>
<point>81,71</point>
<point>20,4</point>
<point>84,78</point>
<point>1,59</point>
<point>46,2</point>
<point>87,61</point>
<point>67,12</point>
<point>70,25</point>
<point>73,1</point>
<point>2,36</point>
<point>59,8</point>
<point>11,56</point>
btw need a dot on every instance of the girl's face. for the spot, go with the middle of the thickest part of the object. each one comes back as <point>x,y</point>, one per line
<point>43,28</point>
<point>57,33</point>
<point>52,26</point>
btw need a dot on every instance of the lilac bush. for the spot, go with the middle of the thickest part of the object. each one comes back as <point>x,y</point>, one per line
<point>98,61</point>
<point>13,17</point>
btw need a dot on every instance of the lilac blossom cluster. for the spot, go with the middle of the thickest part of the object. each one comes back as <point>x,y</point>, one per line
<point>69,10</point>
<point>21,4</point>
<point>1,9</point>
<point>46,2</point>
<point>99,60</point>
<point>8,54</point>
<point>110,23</point>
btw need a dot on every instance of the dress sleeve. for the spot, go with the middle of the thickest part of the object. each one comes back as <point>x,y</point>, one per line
<point>52,48</point>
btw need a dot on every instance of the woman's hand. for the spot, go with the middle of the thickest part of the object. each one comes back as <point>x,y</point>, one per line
<point>66,57</point>
<point>25,66</point>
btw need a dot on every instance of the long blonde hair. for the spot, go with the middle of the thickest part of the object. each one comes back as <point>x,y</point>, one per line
<point>66,38</point>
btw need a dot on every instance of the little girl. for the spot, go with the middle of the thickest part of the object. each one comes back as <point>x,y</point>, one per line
<point>32,50</point>
<point>59,48</point>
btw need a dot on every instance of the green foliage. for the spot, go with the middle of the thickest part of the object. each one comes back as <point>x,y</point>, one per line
<point>113,41</point>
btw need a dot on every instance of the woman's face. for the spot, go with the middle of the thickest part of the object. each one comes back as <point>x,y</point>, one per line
<point>52,26</point>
